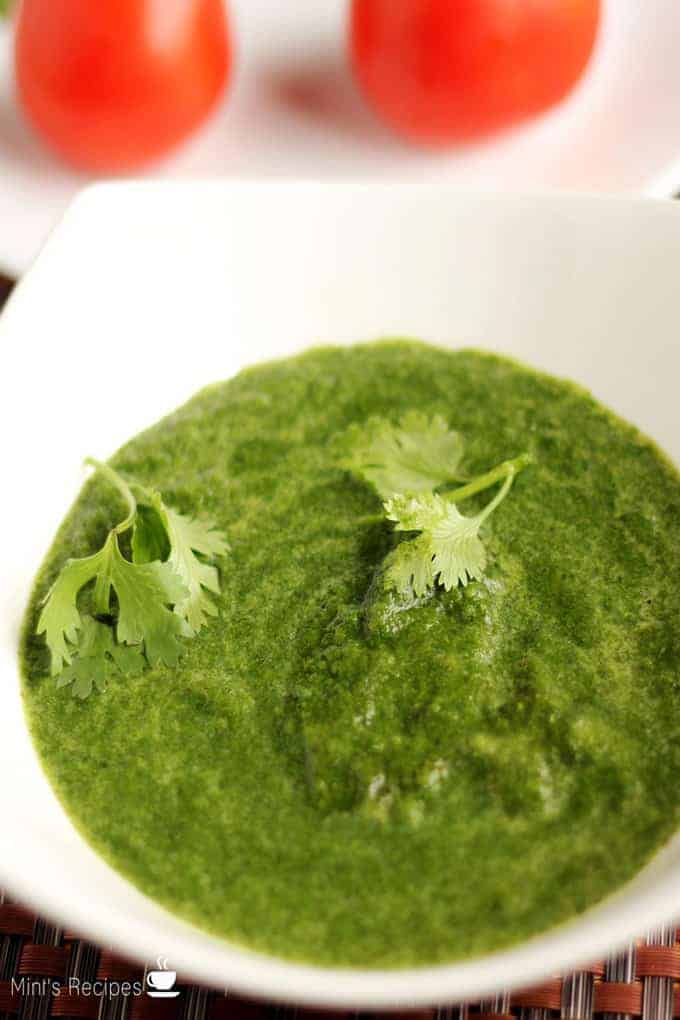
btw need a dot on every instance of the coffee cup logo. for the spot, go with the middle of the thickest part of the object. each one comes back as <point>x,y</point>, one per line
<point>160,983</point>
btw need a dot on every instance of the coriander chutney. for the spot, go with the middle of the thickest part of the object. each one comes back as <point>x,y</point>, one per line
<point>335,775</point>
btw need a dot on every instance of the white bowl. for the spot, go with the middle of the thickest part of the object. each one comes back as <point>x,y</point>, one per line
<point>294,110</point>
<point>187,283</point>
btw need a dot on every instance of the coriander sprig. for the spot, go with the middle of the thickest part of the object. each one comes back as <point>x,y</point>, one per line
<point>447,549</point>
<point>160,594</point>
<point>417,455</point>
<point>123,488</point>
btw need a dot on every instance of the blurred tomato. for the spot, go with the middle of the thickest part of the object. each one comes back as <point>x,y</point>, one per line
<point>111,84</point>
<point>443,71</point>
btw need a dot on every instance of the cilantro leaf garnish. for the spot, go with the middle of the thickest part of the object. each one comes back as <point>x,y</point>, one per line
<point>144,592</point>
<point>406,464</point>
<point>448,550</point>
<point>188,536</point>
<point>93,666</point>
<point>159,594</point>
<point>149,537</point>
<point>98,659</point>
<point>60,619</point>
<point>417,455</point>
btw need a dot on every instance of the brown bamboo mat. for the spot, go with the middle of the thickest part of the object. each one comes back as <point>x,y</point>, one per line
<point>47,971</point>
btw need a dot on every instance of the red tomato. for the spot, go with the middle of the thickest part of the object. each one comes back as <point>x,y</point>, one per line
<point>443,71</point>
<point>111,84</point>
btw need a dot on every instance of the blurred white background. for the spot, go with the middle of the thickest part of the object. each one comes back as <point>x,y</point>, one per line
<point>294,111</point>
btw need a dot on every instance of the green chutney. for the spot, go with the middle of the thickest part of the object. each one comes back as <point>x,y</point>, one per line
<point>333,777</point>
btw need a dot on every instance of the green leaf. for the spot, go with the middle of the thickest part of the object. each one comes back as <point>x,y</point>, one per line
<point>79,676</point>
<point>409,567</point>
<point>129,659</point>
<point>417,455</point>
<point>97,658</point>
<point>448,550</point>
<point>60,619</point>
<point>144,591</point>
<point>149,537</point>
<point>96,638</point>
<point>160,596</point>
<point>91,667</point>
<point>187,537</point>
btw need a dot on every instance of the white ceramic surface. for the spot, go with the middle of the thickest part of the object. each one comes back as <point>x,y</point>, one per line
<point>294,112</point>
<point>146,292</point>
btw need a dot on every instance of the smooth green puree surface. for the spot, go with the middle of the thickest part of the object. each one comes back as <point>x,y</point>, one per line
<point>332,776</point>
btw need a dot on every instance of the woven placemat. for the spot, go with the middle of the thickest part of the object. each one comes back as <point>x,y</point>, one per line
<point>47,971</point>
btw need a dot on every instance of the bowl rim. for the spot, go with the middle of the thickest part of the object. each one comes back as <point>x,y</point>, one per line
<point>599,932</point>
